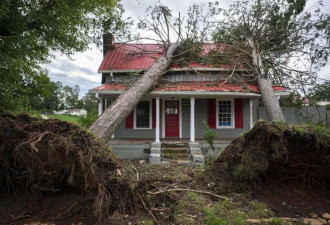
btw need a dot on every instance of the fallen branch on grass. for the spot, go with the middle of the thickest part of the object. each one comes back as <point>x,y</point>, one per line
<point>149,211</point>
<point>137,172</point>
<point>191,190</point>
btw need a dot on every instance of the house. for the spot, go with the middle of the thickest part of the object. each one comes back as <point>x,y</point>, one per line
<point>177,107</point>
<point>77,112</point>
<point>72,112</point>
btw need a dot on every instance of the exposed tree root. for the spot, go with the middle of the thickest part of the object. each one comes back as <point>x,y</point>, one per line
<point>149,211</point>
<point>53,156</point>
<point>278,151</point>
<point>185,190</point>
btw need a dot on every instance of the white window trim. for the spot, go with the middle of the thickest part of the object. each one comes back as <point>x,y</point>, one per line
<point>150,117</point>
<point>232,113</point>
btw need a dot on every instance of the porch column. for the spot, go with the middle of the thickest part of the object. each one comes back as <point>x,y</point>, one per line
<point>251,113</point>
<point>100,111</point>
<point>105,104</point>
<point>192,119</point>
<point>157,119</point>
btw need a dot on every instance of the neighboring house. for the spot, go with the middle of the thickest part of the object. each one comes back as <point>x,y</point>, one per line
<point>77,112</point>
<point>187,96</point>
<point>73,112</point>
<point>60,112</point>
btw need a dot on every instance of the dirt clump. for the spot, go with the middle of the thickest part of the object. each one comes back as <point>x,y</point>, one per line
<point>275,151</point>
<point>53,157</point>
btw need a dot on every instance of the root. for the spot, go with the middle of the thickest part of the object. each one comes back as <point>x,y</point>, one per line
<point>137,173</point>
<point>22,216</point>
<point>66,211</point>
<point>191,190</point>
<point>33,143</point>
<point>149,211</point>
<point>55,156</point>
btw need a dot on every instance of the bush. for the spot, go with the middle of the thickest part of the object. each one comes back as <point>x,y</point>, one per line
<point>209,136</point>
<point>88,120</point>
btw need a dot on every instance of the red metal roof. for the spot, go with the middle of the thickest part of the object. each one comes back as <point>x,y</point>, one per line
<point>130,57</point>
<point>142,56</point>
<point>199,86</point>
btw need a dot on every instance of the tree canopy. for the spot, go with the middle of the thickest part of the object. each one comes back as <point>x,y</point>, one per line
<point>31,31</point>
<point>320,92</point>
<point>277,42</point>
<point>293,43</point>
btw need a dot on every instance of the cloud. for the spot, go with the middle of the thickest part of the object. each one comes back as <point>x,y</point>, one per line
<point>82,70</point>
<point>84,84</point>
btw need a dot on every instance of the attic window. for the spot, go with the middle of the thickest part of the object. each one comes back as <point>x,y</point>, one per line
<point>143,115</point>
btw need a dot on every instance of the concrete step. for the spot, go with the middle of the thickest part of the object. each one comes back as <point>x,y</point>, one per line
<point>175,156</point>
<point>175,150</point>
<point>181,162</point>
<point>173,144</point>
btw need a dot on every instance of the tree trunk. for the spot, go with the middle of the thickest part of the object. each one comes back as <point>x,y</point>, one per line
<point>271,103</point>
<point>111,118</point>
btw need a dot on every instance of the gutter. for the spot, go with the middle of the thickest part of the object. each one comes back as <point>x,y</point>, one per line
<point>172,69</point>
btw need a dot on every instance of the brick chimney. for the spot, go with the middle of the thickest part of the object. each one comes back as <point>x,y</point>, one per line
<point>107,42</point>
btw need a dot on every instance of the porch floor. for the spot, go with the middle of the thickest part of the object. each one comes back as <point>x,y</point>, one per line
<point>150,140</point>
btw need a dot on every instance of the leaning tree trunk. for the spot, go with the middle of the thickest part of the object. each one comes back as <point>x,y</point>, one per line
<point>271,103</point>
<point>111,118</point>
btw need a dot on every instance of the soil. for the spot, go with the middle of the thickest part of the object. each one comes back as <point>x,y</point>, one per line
<point>293,199</point>
<point>53,158</point>
<point>223,200</point>
<point>276,151</point>
<point>282,200</point>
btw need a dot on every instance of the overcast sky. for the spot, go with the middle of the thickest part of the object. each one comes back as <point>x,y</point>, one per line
<point>83,69</point>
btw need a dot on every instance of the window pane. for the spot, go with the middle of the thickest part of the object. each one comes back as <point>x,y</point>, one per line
<point>224,114</point>
<point>143,115</point>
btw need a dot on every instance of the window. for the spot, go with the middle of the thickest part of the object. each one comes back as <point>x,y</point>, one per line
<point>143,115</point>
<point>225,113</point>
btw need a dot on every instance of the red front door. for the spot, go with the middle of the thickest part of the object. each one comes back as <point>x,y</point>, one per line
<point>172,118</point>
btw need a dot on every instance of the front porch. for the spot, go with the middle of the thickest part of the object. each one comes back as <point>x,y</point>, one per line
<point>184,117</point>
<point>135,149</point>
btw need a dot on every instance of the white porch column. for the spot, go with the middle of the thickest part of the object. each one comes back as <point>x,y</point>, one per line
<point>105,104</point>
<point>251,113</point>
<point>192,119</point>
<point>157,119</point>
<point>100,111</point>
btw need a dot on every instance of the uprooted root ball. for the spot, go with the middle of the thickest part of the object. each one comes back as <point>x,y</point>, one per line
<point>55,156</point>
<point>278,151</point>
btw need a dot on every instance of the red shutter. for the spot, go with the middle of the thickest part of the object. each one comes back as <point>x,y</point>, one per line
<point>211,112</point>
<point>238,113</point>
<point>153,113</point>
<point>129,120</point>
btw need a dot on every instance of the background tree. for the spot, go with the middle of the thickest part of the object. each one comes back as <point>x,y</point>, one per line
<point>90,102</point>
<point>274,41</point>
<point>31,30</point>
<point>320,92</point>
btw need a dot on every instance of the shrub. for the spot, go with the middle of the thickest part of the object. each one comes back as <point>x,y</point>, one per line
<point>209,136</point>
<point>88,120</point>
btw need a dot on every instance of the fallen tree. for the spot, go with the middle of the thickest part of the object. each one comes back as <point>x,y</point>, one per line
<point>171,33</point>
<point>52,156</point>
<point>110,120</point>
<point>282,44</point>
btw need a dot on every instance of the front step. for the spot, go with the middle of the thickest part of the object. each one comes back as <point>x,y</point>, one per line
<point>181,150</point>
<point>175,152</point>
<point>174,144</point>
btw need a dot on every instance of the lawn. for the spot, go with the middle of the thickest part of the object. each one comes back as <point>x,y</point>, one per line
<point>67,118</point>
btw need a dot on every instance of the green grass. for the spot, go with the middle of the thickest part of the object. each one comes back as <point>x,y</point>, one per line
<point>67,118</point>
